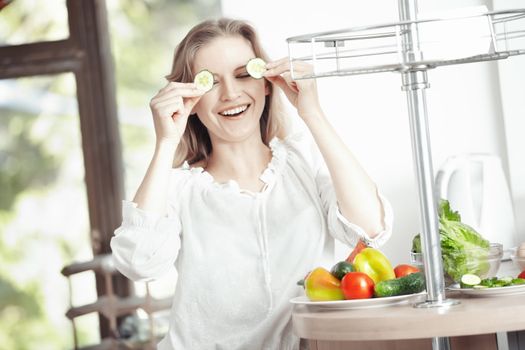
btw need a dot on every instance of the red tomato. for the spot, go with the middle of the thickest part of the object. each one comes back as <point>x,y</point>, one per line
<point>404,269</point>
<point>522,274</point>
<point>357,285</point>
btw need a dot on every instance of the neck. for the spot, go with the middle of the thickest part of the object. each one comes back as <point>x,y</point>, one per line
<point>238,160</point>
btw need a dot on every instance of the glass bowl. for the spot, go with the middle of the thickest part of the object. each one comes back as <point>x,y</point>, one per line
<point>474,262</point>
<point>519,261</point>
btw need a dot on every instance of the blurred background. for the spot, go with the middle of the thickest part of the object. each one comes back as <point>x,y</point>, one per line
<point>44,218</point>
<point>44,214</point>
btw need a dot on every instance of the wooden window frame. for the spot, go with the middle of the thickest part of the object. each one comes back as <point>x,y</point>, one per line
<point>87,54</point>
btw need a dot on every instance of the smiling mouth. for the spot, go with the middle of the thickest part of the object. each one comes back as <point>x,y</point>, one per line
<point>234,112</point>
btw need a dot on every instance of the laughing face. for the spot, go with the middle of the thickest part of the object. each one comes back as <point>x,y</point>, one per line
<point>232,108</point>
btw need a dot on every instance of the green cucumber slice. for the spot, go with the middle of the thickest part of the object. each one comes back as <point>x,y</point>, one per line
<point>479,286</point>
<point>256,67</point>
<point>469,280</point>
<point>507,279</point>
<point>204,80</point>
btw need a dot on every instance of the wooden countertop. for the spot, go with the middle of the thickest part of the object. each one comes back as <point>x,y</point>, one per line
<point>475,315</point>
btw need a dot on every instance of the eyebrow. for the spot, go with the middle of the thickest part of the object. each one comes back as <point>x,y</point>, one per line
<point>240,67</point>
<point>243,67</point>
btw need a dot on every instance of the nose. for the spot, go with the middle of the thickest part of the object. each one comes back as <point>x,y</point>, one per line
<point>230,89</point>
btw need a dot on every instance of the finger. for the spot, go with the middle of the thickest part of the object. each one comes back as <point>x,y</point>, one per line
<point>277,80</point>
<point>299,68</point>
<point>287,79</point>
<point>191,102</point>
<point>290,94</point>
<point>285,63</point>
<point>167,97</point>
<point>169,86</point>
<point>174,85</point>
<point>175,94</point>
<point>282,84</point>
<point>178,103</point>
<point>290,82</point>
<point>277,62</point>
<point>182,93</point>
<point>277,69</point>
<point>169,110</point>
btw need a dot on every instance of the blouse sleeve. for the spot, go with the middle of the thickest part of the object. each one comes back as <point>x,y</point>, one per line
<point>146,244</point>
<point>339,226</point>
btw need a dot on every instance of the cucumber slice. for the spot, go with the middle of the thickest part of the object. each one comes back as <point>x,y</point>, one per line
<point>204,80</point>
<point>469,280</point>
<point>507,279</point>
<point>256,67</point>
<point>479,286</point>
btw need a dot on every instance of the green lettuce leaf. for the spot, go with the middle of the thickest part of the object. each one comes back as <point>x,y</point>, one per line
<point>462,248</point>
<point>446,213</point>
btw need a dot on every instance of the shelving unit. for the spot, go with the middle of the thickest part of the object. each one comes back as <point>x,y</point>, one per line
<point>388,47</point>
<point>411,47</point>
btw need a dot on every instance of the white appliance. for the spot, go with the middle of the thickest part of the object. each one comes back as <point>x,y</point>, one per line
<point>476,187</point>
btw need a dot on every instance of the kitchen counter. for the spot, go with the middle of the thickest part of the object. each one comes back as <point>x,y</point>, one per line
<point>473,316</point>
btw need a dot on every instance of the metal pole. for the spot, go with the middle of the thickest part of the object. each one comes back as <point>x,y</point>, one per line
<point>441,343</point>
<point>414,83</point>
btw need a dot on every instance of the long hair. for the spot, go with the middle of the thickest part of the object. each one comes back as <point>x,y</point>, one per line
<point>195,144</point>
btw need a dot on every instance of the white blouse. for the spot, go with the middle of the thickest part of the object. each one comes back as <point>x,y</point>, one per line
<point>239,254</point>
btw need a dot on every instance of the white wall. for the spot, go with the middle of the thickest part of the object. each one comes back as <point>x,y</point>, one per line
<point>370,111</point>
<point>512,83</point>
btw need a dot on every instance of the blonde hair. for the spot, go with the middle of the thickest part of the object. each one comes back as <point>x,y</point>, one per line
<point>195,144</point>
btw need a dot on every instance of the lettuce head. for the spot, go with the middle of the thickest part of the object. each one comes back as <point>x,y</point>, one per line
<point>463,249</point>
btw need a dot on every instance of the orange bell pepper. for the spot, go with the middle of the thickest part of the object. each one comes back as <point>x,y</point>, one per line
<point>321,285</point>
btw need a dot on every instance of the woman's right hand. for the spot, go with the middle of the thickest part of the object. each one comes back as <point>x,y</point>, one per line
<point>171,107</point>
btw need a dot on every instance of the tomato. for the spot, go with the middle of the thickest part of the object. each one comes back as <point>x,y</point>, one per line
<point>404,269</point>
<point>357,285</point>
<point>522,274</point>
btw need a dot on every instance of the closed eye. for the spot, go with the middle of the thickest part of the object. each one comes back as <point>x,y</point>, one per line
<point>243,75</point>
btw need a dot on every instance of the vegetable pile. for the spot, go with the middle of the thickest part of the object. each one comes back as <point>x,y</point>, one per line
<point>464,250</point>
<point>366,273</point>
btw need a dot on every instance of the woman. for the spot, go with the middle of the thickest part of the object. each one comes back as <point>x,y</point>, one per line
<point>248,210</point>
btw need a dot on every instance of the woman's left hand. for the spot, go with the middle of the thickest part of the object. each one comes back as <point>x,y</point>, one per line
<point>301,93</point>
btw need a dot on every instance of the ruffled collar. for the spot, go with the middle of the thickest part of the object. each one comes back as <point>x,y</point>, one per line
<point>268,176</point>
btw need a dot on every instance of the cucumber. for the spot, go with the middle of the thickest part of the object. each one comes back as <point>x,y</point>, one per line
<point>409,284</point>
<point>256,67</point>
<point>340,269</point>
<point>469,280</point>
<point>204,80</point>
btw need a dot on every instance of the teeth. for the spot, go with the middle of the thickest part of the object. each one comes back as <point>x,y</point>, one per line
<point>235,110</point>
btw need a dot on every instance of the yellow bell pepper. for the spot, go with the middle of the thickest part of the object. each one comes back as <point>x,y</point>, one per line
<point>375,264</point>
